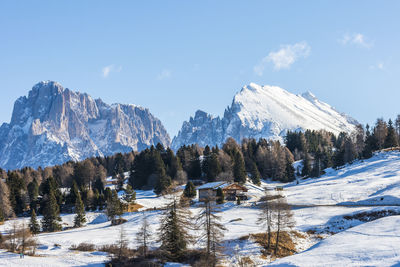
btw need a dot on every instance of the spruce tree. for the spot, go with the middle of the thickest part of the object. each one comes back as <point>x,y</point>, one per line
<point>74,191</point>
<point>33,192</point>
<point>114,207</point>
<point>80,218</point>
<point>163,180</point>
<point>190,190</point>
<point>174,236</point>
<point>306,165</point>
<point>239,171</point>
<point>391,137</point>
<point>34,226</point>
<point>255,174</point>
<point>51,213</point>
<point>370,143</point>
<point>130,195</point>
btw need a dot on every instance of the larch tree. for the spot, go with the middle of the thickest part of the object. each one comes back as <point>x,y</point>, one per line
<point>143,236</point>
<point>265,216</point>
<point>282,218</point>
<point>208,222</point>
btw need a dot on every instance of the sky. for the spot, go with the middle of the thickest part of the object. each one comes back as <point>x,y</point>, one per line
<point>175,57</point>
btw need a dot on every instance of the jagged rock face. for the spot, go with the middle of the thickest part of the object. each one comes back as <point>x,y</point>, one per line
<point>263,112</point>
<point>53,125</point>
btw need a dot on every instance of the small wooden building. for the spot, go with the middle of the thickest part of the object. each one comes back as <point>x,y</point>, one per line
<point>232,191</point>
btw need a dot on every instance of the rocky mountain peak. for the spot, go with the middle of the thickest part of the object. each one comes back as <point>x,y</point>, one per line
<point>263,111</point>
<point>53,125</point>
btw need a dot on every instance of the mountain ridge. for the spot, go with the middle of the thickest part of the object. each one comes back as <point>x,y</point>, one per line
<point>54,124</point>
<point>263,111</point>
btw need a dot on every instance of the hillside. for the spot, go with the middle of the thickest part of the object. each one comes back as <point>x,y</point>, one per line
<point>324,206</point>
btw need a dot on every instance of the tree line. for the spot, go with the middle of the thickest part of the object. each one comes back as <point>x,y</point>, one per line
<point>56,189</point>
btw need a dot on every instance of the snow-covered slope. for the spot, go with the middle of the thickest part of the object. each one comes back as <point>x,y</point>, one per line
<point>356,242</point>
<point>263,111</point>
<point>53,125</point>
<point>375,181</point>
<point>375,243</point>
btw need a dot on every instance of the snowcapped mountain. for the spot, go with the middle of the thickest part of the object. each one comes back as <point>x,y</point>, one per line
<point>53,125</point>
<point>263,111</point>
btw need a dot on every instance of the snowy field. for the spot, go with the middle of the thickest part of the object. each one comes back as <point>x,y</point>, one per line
<point>321,206</point>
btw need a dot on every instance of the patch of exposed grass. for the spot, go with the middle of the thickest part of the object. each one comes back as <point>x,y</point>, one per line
<point>286,245</point>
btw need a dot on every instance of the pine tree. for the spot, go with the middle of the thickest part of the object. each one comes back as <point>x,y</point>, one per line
<point>306,165</point>
<point>114,206</point>
<point>33,192</point>
<point>391,137</point>
<point>173,231</point>
<point>74,191</point>
<point>34,226</point>
<point>163,180</point>
<point>220,196</point>
<point>239,171</point>
<point>190,190</point>
<point>370,144</point>
<point>51,213</point>
<point>211,166</point>
<point>195,167</point>
<point>255,174</point>
<point>130,195</point>
<point>80,218</point>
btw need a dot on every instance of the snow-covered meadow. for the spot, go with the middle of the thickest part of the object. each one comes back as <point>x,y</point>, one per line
<point>321,205</point>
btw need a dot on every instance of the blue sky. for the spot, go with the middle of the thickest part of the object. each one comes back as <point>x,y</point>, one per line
<point>175,57</point>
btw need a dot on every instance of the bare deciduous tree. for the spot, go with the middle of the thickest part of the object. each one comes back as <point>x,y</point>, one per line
<point>282,218</point>
<point>265,217</point>
<point>212,230</point>
<point>144,236</point>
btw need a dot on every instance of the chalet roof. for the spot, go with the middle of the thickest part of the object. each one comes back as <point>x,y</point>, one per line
<point>222,185</point>
<point>233,186</point>
<point>213,185</point>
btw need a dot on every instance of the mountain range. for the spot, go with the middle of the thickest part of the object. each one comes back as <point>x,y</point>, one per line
<point>263,111</point>
<point>53,124</point>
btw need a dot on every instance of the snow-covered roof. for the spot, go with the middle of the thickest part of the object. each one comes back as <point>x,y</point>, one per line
<point>212,185</point>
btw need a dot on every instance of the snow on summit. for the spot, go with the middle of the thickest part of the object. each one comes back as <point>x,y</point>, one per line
<point>257,105</point>
<point>263,112</point>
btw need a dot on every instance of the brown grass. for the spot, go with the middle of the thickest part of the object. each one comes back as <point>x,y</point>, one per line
<point>286,246</point>
<point>83,247</point>
<point>132,207</point>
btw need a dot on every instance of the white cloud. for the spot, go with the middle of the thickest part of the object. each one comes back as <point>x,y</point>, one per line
<point>110,68</point>
<point>164,74</point>
<point>356,39</point>
<point>284,57</point>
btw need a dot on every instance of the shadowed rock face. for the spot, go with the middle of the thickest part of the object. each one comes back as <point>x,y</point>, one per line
<point>53,125</point>
<point>263,112</point>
